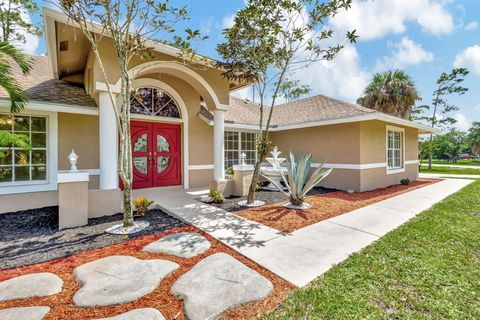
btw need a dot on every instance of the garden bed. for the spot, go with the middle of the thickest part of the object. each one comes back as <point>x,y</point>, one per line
<point>62,306</point>
<point>324,206</point>
<point>269,197</point>
<point>32,236</point>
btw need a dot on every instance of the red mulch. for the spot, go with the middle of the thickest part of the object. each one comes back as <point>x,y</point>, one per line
<point>324,206</point>
<point>171,307</point>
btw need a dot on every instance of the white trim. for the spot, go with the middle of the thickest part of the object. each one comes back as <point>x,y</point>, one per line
<point>349,166</point>
<point>52,158</point>
<point>75,176</point>
<point>200,167</point>
<point>402,168</point>
<point>92,172</point>
<point>176,68</point>
<point>362,117</point>
<point>53,107</point>
<point>148,82</point>
<point>412,162</point>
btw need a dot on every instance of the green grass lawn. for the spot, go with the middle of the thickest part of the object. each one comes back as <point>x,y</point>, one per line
<point>449,170</point>
<point>429,268</point>
<point>458,163</point>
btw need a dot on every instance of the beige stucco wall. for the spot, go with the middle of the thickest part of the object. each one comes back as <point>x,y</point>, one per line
<point>79,132</point>
<point>373,141</point>
<point>359,143</point>
<point>25,201</point>
<point>212,76</point>
<point>334,144</point>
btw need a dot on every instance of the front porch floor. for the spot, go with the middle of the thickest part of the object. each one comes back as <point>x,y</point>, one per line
<point>301,256</point>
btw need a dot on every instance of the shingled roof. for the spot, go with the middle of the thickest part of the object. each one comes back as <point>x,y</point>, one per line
<point>40,85</point>
<point>302,111</point>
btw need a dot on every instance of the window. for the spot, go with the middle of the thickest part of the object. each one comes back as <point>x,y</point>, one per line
<point>17,164</point>
<point>237,143</point>
<point>153,102</point>
<point>394,149</point>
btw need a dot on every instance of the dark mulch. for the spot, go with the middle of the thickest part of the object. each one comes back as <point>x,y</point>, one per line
<point>32,236</point>
<point>269,197</point>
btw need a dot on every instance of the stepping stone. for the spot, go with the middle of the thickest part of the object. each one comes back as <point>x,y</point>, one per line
<point>183,245</point>
<point>24,313</point>
<point>217,283</point>
<point>137,314</point>
<point>118,279</point>
<point>30,285</point>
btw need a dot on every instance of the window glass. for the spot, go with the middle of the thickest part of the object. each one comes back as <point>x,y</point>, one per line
<point>394,149</point>
<point>237,143</point>
<point>18,164</point>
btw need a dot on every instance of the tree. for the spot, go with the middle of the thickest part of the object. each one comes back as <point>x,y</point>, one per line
<point>450,145</point>
<point>390,92</point>
<point>9,54</point>
<point>128,23</point>
<point>473,138</point>
<point>13,21</point>
<point>270,41</point>
<point>447,84</point>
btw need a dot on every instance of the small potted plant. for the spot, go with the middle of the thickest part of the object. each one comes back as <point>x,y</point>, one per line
<point>229,172</point>
<point>216,196</point>
<point>142,204</point>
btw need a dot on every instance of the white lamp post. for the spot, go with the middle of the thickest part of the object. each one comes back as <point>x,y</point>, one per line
<point>73,158</point>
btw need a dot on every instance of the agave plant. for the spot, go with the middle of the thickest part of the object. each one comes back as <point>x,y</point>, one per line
<point>296,180</point>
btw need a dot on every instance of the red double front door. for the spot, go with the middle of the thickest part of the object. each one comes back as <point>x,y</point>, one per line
<point>156,154</point>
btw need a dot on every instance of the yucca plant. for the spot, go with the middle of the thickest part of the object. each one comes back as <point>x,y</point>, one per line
<point>296,180</point>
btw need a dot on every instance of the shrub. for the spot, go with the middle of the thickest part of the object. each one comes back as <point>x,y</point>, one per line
<point>216,196</point>
<point>229,171</point>
<point>405,181</point>
<point>142,204</point>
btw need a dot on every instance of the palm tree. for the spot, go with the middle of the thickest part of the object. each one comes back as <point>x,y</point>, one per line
<point>391,92</point>
<point>9,54</point>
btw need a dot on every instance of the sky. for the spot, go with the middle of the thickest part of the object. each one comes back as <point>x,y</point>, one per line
<point>422,37</point>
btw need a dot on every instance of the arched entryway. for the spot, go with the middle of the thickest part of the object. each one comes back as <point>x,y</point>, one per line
<point>156,133</point>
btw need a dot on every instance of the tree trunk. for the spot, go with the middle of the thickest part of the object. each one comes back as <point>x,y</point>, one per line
<point>430,153</point>
<point>296,201</point>
<point>127,206</point>
<point>262,153</point>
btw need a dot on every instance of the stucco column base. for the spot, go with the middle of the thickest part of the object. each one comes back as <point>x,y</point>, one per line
<point>72,199</point>
<point>242,175</point>
<point>225,186</point>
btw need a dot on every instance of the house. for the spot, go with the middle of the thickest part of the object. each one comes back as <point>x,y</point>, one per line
<point>186,128</point>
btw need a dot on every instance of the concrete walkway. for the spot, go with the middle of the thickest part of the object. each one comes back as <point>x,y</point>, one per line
<point>301,256</point>
<point>449,175</point>
<point>453,165</point>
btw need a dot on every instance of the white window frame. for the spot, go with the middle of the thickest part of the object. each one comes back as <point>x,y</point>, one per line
<point>390,170</point>
<point>50,183</point>
<point>239,149</point>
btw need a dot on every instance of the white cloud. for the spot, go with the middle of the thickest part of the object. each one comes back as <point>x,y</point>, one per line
<point>471,25</point>
<point>462,122</point>
<point>206,26</point>
<point>477,108</point>
<point>228,21</point>
<point>469,58</point>
<point>377,18</point>
<point>341,77</point>
<point>245,93</point>
<point>404,53</point>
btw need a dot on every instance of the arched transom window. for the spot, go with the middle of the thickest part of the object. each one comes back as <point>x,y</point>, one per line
<point>153,102</point>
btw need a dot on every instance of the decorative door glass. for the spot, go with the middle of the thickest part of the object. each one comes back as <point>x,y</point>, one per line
<point>162,163</point>
<point>153,102</point>
<point>162,144</point>
<point>141,145</point>
<point>141,164</point>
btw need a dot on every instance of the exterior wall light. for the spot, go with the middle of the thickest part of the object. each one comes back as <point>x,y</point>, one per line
<point>73,158</point>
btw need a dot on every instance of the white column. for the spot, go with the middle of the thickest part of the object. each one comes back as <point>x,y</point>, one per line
<point>108,143</point>
<point>218,145</point>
